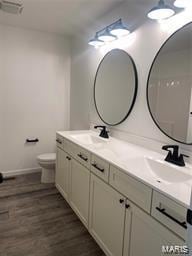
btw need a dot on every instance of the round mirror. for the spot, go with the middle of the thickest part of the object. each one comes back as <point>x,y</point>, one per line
<point>115,87</point>
<point>169,94</point>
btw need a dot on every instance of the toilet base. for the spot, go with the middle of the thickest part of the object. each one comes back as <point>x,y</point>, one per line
<point>48,175</point>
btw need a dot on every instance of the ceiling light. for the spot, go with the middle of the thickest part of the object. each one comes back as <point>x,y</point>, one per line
<point>11,7</point>
<point>183,3</point>
<point>106,36</point>
<point>95,41</point>
<point>119,29</point>
<point>161,11</point>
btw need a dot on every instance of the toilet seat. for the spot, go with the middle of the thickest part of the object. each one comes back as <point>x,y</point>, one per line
<point>47,158</point>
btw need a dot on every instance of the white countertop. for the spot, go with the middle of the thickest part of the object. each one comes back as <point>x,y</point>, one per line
<point>130,159</point>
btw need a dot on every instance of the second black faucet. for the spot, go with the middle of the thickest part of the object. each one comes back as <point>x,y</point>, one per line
<point>173,155</point>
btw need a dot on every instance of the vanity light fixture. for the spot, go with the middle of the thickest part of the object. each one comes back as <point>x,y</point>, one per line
<point>96,42</point>
<point>182,3</point>
<point>106,36</point>
<point>119,29</point>
<point>110,33</point>
<point>161,11</point>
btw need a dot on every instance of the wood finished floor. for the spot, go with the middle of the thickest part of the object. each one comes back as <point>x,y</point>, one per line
<point>39,222</point>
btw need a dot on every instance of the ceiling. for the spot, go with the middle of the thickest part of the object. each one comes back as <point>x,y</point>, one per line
<point>68,17</point>
<point>58,16</point>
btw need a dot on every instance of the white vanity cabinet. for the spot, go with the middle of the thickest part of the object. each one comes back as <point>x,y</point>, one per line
<point>107,215</point>
<point>146,236</point>
<point>124,215</point>
<point>62,172</point>
<point>79,190</point>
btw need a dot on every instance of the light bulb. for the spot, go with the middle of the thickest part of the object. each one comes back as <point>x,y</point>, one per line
<point>161,11</point>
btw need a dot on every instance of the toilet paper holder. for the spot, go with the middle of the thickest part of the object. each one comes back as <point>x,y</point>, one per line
<point>32,140</point>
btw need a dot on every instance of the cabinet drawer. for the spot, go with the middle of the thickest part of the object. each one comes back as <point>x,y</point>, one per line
<point>80,154</point>
<point>83,156</point>
<point>59,141</point>
<point>67,146</point>
<point>134,190</point>
<point>100,167</point>
<point>170,213</point>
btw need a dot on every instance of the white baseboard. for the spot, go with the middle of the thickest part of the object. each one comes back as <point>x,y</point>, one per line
<point>21,172</point>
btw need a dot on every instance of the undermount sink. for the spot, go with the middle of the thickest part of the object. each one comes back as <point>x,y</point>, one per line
<point>87,139</point>
<point>166,172</point>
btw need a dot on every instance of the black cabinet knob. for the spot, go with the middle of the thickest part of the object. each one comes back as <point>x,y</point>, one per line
<point>121,201</point>
<point>127,206</point>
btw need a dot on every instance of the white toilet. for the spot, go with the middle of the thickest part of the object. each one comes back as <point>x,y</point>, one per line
<point>47,163</point>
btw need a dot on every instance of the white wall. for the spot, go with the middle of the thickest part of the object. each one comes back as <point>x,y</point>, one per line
<point>34,94</point>
<point>147,39</point>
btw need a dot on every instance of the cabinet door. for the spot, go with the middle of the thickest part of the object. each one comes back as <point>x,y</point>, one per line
<point>62,173</point>
<point>79,190</point>
<point>147,236</point>
<point>107,215</point>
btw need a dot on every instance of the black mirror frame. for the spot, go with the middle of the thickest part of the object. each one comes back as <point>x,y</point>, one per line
<point>135,92</point>
<point>147,88</point>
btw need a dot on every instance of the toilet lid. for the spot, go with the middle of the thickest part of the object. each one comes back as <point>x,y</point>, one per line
<point>47,157</point>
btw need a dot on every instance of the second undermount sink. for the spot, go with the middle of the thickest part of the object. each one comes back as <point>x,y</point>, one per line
<point>88,139</point>
<point>168,172</point>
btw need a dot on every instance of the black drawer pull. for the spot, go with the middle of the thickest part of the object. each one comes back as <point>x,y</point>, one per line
<point>98,168</point>
<point>163,211</point>
<point>83,157</point>
<point>68,158</point>
<point>32,141</point>
<point>60,142</point>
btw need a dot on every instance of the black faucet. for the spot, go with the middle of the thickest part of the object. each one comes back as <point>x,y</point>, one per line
<point>173,155</point>
<point>104,132</point>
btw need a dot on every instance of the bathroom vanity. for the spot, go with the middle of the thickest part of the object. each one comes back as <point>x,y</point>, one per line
<point>131,201</point>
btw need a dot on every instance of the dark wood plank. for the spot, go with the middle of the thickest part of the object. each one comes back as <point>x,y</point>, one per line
<point>23,184</point>
<point>39,222</point>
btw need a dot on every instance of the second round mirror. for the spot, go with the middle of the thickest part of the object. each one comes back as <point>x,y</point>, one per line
<point>169,89</point>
